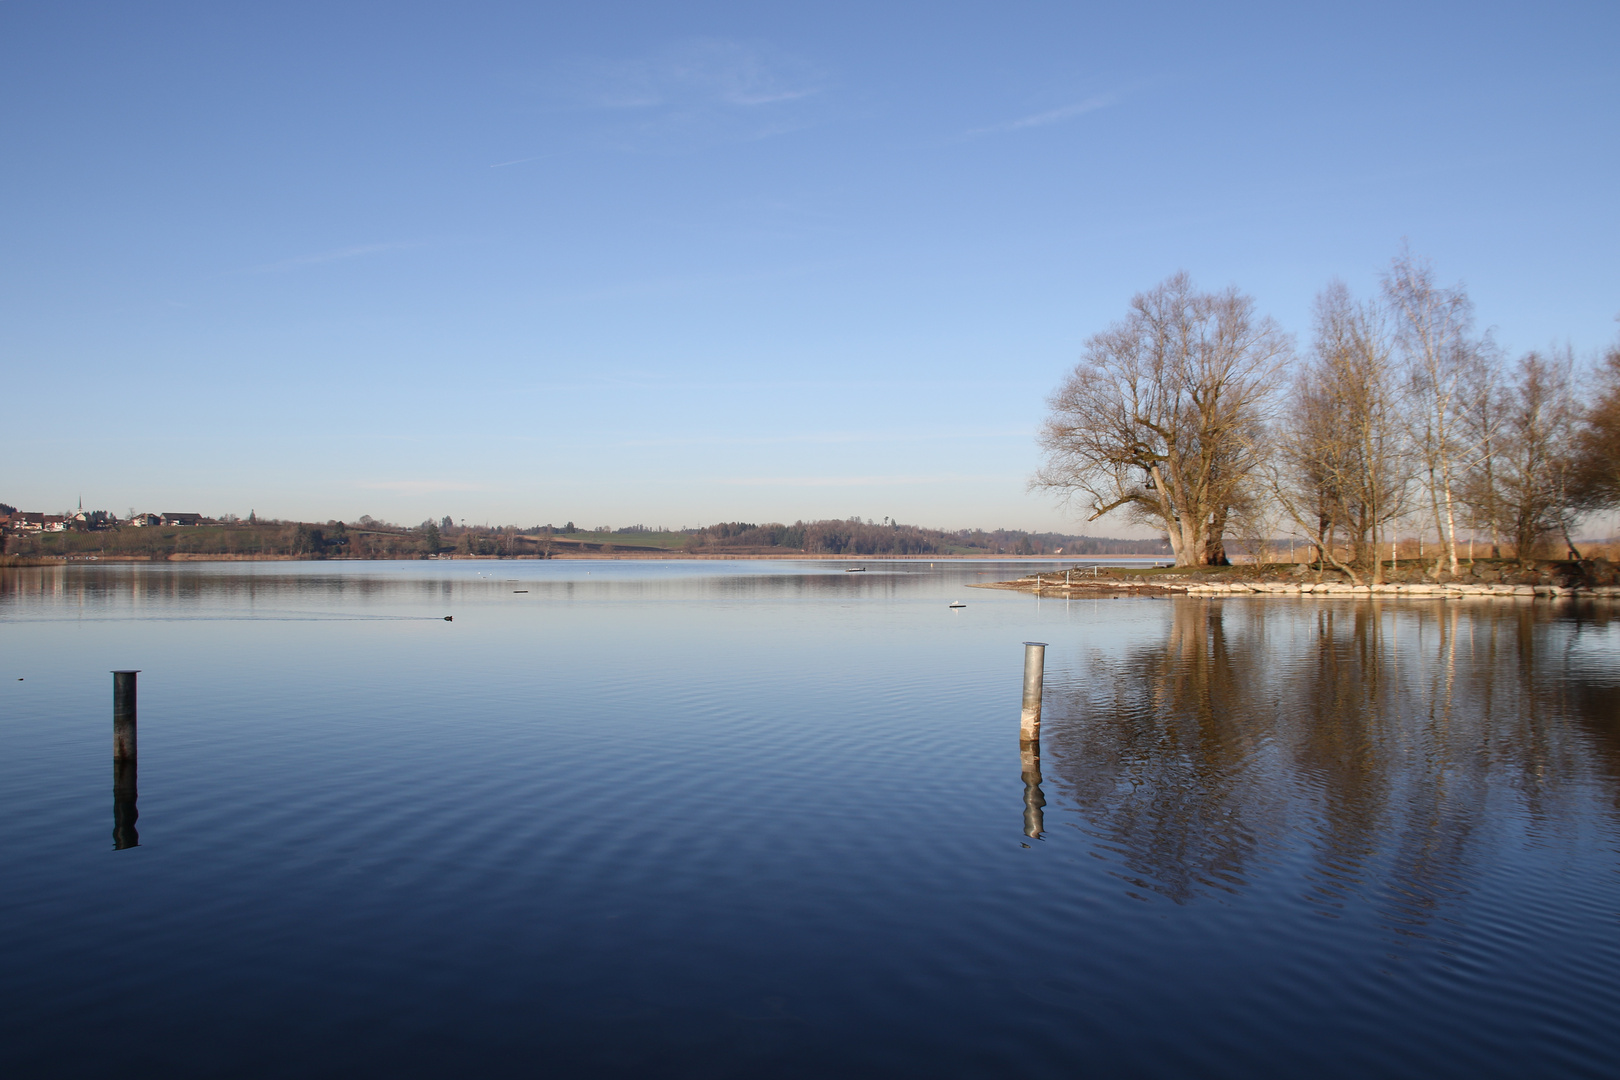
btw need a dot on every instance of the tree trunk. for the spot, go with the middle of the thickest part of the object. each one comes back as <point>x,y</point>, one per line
<point>1575,556</point>
<point>1215,541</point>
<point>1451,526</point>
<point>1434,505</point>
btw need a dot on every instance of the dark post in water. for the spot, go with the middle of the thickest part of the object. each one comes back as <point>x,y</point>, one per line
<point>125,793</point>
<point>124,715</point>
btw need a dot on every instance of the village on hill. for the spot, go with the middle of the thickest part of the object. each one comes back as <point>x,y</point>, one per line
<point>25,522</point>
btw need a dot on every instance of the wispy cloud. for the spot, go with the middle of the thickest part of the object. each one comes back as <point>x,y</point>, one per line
<point>833,438</point>
<point>859,481</point>
<point>532,157</point>
<point>706,71</point>
<point>1052,116</point>
<point>645,383</point>
<point>519,161</point>
<point>335,255</point>
<point>420,487</point>
<point>689,94</point>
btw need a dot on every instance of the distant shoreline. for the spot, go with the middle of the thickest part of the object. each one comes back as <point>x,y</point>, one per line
<point>22,561</point>
<point>99,537</point>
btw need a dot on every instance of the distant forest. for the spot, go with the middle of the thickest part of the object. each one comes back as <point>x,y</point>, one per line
<point>856,537</point>
<point>372,539</point>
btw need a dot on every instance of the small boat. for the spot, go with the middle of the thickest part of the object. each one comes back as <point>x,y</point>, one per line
<point>958,604</point>
<point>516,591</point>
<point>854,569</point>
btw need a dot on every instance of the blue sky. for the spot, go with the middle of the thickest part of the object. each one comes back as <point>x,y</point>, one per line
<point>677,263</point>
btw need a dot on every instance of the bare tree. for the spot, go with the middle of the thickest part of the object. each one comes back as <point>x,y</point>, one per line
<point>1534,466</point>
<point>1596,476</point>
<point>1339,464</point>
<point>1483,417</point>
<point>1433,330</point>
<point>1164,415</point>
<point>1305,468</point>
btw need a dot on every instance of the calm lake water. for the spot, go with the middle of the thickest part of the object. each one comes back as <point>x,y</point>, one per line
<point>769,819</point>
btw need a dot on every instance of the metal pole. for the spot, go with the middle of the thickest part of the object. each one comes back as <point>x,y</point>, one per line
<point>1034,671</point>
<point>124,715</point>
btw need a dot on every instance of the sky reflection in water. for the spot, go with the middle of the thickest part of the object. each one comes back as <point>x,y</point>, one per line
<point>770,818</point>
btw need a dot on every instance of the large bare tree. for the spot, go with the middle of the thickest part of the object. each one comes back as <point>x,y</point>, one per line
<point>1164,415</point>
<point>1339,461</point>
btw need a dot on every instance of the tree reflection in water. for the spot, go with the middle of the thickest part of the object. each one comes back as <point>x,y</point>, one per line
<point>1369,741</point>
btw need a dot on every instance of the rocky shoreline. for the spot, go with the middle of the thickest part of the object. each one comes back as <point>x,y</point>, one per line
<point>1055,585</point>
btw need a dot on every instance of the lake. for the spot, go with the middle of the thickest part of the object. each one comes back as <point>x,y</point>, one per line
<point>738,819</point>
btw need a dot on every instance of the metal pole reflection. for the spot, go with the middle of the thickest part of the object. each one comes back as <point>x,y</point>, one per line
<point>1029,752</point>
<point>124,812</point>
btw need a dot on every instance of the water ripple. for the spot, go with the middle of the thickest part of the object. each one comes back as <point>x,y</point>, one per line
<point>770,820</point>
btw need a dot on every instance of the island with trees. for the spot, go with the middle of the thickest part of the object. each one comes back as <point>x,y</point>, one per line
<point>1401,425</point>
